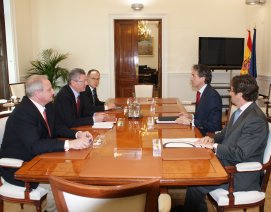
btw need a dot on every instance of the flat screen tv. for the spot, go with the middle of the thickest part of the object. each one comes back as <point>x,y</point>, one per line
<point>221,52</point>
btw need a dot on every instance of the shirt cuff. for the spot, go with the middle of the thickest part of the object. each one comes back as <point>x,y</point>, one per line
<point>105,107</point>
<point>192,122</point>
<point>215,147</point>
<point>67,145</point>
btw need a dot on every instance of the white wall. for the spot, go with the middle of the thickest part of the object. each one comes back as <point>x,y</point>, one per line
<point>82,28</point>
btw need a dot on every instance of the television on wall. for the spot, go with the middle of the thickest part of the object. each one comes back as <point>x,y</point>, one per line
<point>221,52</point>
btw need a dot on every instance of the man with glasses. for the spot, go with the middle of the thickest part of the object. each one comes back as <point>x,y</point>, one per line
<point>69,102</point>
<point>90,97</point>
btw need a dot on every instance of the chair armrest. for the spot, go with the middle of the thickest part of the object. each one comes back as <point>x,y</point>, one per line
<point>248,166</point>
<point>11,162</point>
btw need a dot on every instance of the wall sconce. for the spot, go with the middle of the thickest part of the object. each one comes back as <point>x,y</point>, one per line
<point>254,2</point>
<point>137,6</point>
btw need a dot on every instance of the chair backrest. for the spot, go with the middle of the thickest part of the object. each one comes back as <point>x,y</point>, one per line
<point>2,128</point>
<point>143,90</point>
<point>17,89</point>
<point>71,196</point>
<point>267,151</point>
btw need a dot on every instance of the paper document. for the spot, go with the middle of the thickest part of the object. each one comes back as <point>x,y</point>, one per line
<point>180,142</point>
<point>103,125</point>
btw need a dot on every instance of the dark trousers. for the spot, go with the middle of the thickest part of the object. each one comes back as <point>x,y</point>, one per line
<point>195,197</point>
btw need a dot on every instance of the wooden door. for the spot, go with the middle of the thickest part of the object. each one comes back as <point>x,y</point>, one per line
<point>126,57</point>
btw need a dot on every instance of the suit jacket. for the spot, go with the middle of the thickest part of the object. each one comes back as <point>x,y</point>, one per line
<point>208,113</point>
<point>26,135</point>
<point>66,110</point>
<point>89,108</point>
<point>244,141</point>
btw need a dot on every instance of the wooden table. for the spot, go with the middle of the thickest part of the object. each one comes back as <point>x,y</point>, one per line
<point>126,154</point>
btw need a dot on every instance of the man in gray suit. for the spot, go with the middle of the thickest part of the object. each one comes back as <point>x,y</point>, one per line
<point>242,140</point>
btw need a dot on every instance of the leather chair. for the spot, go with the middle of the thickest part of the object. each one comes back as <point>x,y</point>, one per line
<point>17,89</point>
<point>71,196</point>
<point>143,90</point>
<point>225,199</point>
<point>13,193</point>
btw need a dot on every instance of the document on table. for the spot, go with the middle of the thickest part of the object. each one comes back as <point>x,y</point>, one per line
<point>103,125</point>
<point>180,142</point>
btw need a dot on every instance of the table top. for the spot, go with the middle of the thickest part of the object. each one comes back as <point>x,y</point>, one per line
<point>126,153</point>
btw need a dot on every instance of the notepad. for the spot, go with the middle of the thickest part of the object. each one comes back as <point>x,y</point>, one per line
<point>166,119</point>
<point>103,125</point>
<point>179,142</point>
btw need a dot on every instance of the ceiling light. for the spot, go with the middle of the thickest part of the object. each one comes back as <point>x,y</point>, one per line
<point>137,6</point>
<point>253,2</point>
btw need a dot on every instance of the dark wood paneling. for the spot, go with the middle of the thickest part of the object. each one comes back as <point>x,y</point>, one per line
<point>4,89</point>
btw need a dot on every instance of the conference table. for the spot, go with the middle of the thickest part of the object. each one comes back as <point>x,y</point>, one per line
<point>124,153</point>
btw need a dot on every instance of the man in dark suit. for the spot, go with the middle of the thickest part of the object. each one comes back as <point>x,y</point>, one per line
<point>92,103</point>
<point>69,103</point>
<point>208,112</point>
<point>243,140</point>
<point>31,130</point>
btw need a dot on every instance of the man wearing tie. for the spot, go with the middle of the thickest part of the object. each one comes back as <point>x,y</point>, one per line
<point>243,140</point>
<point>69,103</point>
<point>31,130</point>
<point>92,103</point>
<point>208,112</point>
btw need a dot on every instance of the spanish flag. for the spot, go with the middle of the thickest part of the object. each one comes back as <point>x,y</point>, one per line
<point>247,56</point>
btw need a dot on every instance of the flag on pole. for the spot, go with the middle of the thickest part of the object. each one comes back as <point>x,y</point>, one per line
<point>247,55</point>
<point>253,66</point>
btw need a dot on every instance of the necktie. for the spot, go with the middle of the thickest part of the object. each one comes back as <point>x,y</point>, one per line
<point>197,98</point>
<point>46,121</point>
<point>94,95</point>
<point>78,104</point>
<point>236,115</point>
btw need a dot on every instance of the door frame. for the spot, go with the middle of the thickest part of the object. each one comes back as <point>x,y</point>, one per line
<point>164,75</point>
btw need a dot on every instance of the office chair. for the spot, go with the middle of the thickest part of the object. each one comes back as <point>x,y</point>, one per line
<point>143,90</point>
<point>13,193</point>
<point>134,197</point>
<point>17,89</point>
<point>225,199</point>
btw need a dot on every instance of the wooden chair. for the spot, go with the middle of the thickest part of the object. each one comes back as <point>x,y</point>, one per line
<point>17,89</point>
<point>71,196</point>
<point>143,90</point>
<point>225,199</point>
<point>13,193</point>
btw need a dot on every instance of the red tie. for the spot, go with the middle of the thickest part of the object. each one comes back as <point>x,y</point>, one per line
<point>78,104</point>
<point>46,121</point>
<point>198,98</point>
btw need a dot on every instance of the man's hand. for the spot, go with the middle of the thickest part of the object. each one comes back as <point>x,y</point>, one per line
<point>79,143</point>
<point>187,115</point>
<point>85,134</point>
<point>183,120</point>
<point>110,105</point>
<point>99,117</point>
<point>206,142</point>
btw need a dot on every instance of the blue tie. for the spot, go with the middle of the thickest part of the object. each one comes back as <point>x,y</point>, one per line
<point>236,115</point>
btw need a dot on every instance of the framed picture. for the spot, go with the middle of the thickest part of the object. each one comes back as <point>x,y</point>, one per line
<point>145,47</point>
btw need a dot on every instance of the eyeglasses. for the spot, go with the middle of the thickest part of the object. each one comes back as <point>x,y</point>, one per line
<point>83,81</point>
